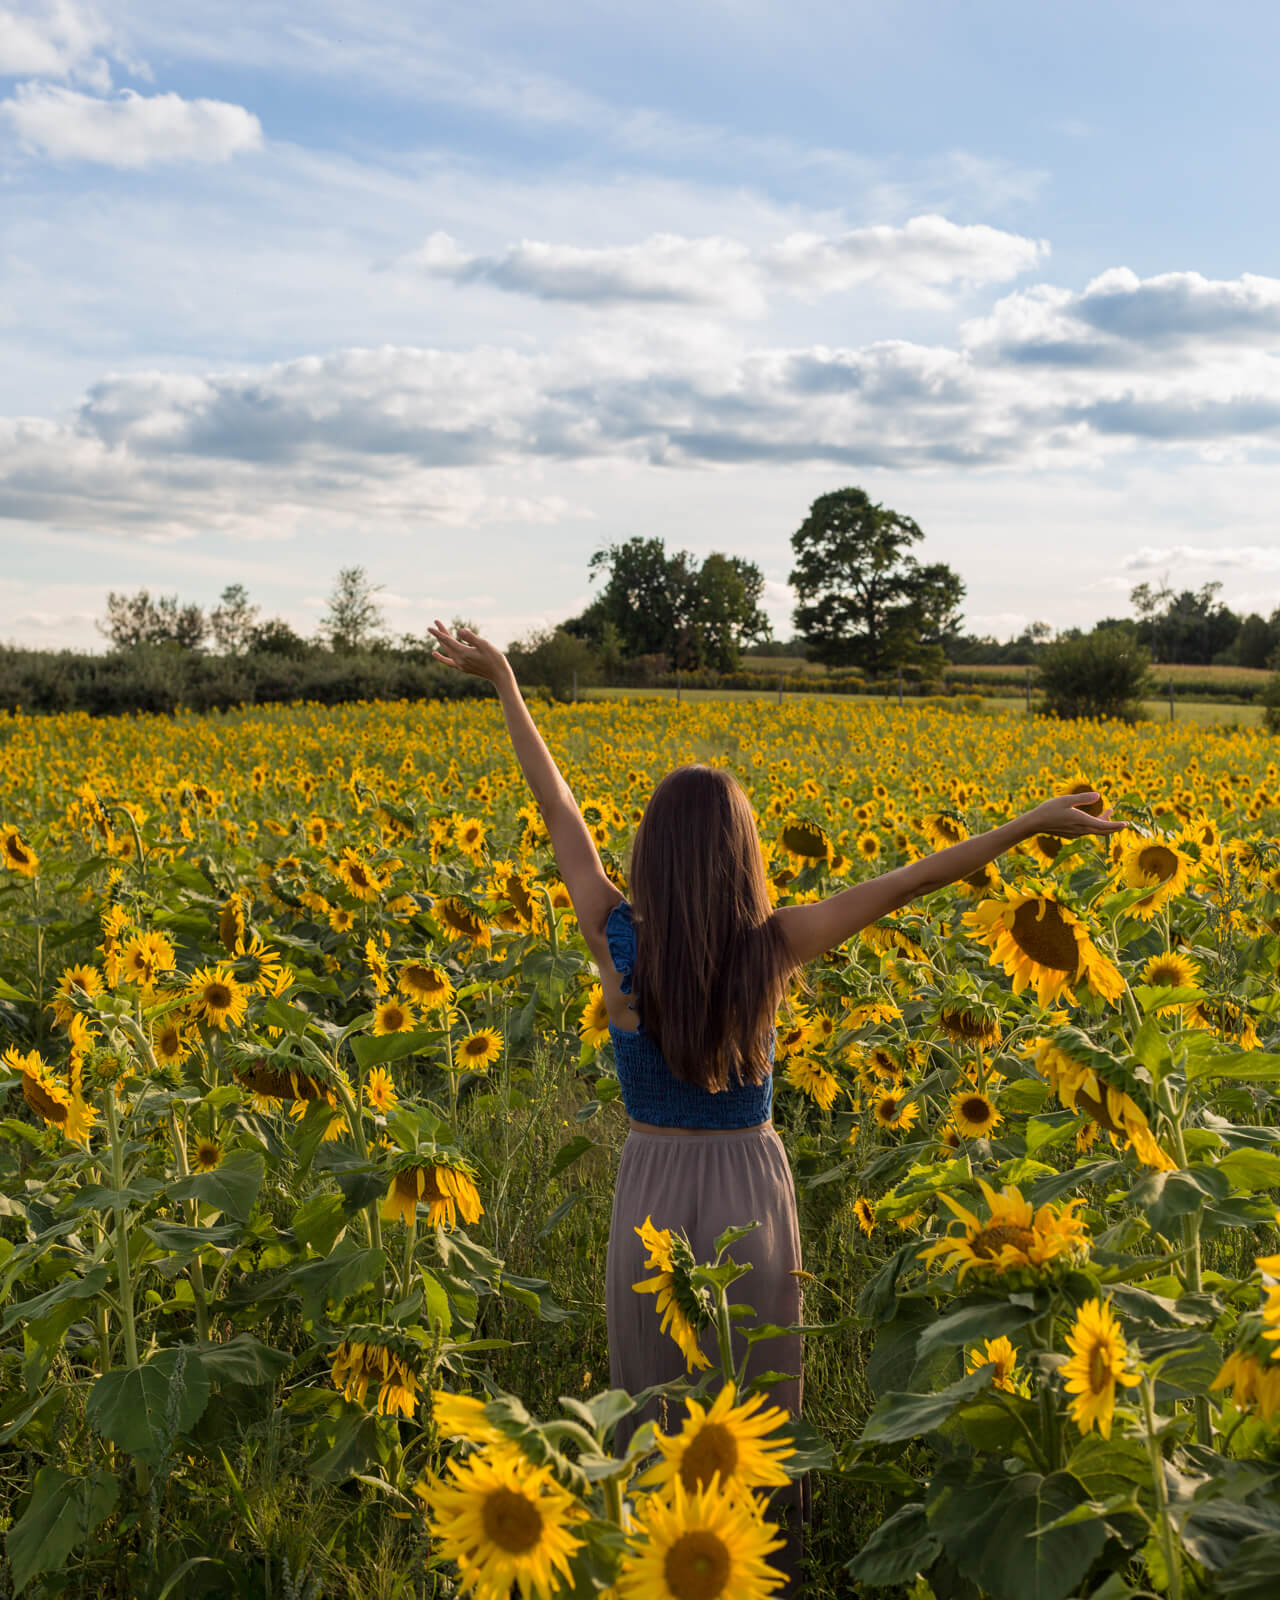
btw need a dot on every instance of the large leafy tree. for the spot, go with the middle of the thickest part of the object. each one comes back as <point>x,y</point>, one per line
<point>657,601</point>
<point>354,620</point>
<point>864,599</point>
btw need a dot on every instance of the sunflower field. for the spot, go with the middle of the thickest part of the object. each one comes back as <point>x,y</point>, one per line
<point>308,1122</point>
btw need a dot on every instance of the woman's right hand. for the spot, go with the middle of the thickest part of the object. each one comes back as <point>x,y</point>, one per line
<point>470,653</point>
<point>1063,817</point>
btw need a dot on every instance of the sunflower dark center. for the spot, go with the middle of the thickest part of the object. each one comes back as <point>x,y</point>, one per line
<point>1048,844</point>
<point>217,996</point>
<point>16,852</point>
<point>1158,861</point>
<point>988,1242</point>
<point>393,1018</point>
<point>41,1101</point>
<point>713,1450</point>
<point>359,877</point>
<point>1099,1368</point>
<point>975,1109</point>
<point>1045,938</point>
<point>168,1041</point>
<point>511,1521</point>
<point>478,1046</point>
<point>697,1566</point>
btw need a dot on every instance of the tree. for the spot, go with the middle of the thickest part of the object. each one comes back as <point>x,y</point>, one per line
<point>354,620</point>
<point>554,658</point>
<point>137,619</point>
<point>1098,674</point>
<point>864,600</point>
<point>1256,642</point>
<point>1193,626</point>
<point>233,620</point>
<point>660,602</point>
<point>275,637</point>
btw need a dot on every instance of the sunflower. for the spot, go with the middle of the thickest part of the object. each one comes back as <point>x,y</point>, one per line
<point>379,1090</point>
<point>893,1111</point>
<point>727,1444</point>
<point>974,1115</point>
<point>468,833</point>
<point>281,1079</point>
<point>804,842</point>
<point>16,853</point>
<point>256,965</point>
<point>1097,1364</point>
<point>358,1363</point>
<point>462,1416</point>
<point>425,984</point>
<point>1079,1087</point>
<point>231,923</point>
<point>1014,1235</point>
<point>169,1042</point>
<point>1045,847</point>
<point>593,1024</point>
<point>700,1546</point>
<point>217,998</point>
<point>942,829</point>
<point>984,881</point>
<point>477,1050</point>
<point>1038,940</point>
<point>867,846</point>
<point>1171,971</point>
<point>205,1155</point>
<point>1225,1017</point>
<point>970,1022</point>
<point>516,888</point>
<point>144,958</point>
<point>891,939</point>
<point>684,1309</point>
<point>1000,1354</point>
<point>76,984</point>
<point>444,1187</point>
<point>317,831</point>
<point>865,1215</point>
<point>56,1106</point>
<point>393,1016</point>
<point>861,1013</point>
<point>813,1079</point>
<point>363,880</point>
<point>376,961</point>
<point>342,919</point>
<point>506,1523</point>
<point>462,922</point>
<point>1157,862</point>
<point>792,1032</point>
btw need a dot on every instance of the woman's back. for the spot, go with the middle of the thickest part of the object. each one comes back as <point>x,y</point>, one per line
<point>651,1092</point>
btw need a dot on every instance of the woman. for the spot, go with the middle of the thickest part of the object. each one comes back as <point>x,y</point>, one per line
<point>693,970</point>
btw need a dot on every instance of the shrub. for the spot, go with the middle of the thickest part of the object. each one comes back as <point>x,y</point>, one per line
<point>1098,674</point>
<point>555,658</point>
<point>1270,698</point>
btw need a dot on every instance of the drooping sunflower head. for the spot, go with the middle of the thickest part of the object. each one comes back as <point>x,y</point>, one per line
<point>16,853</point>
<point>377,1358</point>
<point>805,842</point>
<point>865,1215</point>
<point>231,923</point>
<point>425,984</point>
<point>970,1021</point>
<point>462,921</point>
<point>685,1307</point>
<point>441,1182</point>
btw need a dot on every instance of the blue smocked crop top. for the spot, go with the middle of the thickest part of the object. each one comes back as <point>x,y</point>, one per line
<point>651,1092</point>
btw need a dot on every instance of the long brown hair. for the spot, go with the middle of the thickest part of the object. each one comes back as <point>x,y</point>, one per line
<point>712,959</point>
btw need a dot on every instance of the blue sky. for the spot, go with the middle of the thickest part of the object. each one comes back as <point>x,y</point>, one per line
<point>461,293</point>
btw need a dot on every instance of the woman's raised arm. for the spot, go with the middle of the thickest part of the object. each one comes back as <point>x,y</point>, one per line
<point>576,855</point>
<point>813,929</point>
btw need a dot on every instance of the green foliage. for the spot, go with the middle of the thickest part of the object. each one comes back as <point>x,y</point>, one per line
<point>559,660</point>
<point>1101,674</point>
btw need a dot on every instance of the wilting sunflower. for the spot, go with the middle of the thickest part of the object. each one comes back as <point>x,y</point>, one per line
<point>942,829</point>
<point>974,1115</point>
<point>803,842</point>
<point>56,1105</point>
<point>813,1079</point>
<point>205,1155</point>
<point>1097,1364</point>
<point>282,1077</point>
<point>461,1416</point>
<point>1039,941</point>
<point>1225,1017</point>
<point>793,1031</point>
<point>895,1111</point>
<point>379,1090</point>
<point>443,1185</point>
<point>516,888</point>
<point>593,1024</point>
<point>78,983</point>
<point>1254,1382</point>
<point>728,1445</point>
<point>359,1364</point>
<point>1000,1354</point>
<point>969,1021</point>
<point>506,1523</point>
<point>1080,1088</point>
<point>1014,1235</point>
<point>865,1215</point>
<point>477,1050</point>
<point>16,853</point>
<point>461,922</point>
<point>363,880</point>
<point>393,1016</point>
<point>683,1308</point>
<point>1170,970</point>
<point>701,1546</point>
<point>216,997</point>
<point>231,923</point>
<point>1157,862</point>
<point>891,939</point>
<point>861,1013</point>
<point>426,985</point>
<point>169,1041</point>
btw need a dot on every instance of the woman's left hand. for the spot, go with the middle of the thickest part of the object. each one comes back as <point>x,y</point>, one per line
<point>1064,817</point>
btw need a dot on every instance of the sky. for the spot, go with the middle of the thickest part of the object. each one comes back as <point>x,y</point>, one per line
<point>461,294</point>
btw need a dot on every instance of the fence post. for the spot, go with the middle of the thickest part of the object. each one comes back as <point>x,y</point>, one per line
<point>678,701</point>
<point>779,688</point>
<point>1170,697</point>
<point>899,685</point>
<point>1028,688</point>
<point>575,685</point>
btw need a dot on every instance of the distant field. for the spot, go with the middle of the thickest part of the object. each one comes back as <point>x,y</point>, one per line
<point>1220,679</point>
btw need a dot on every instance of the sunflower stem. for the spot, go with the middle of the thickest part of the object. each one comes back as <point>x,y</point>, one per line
<point>724,1338</point>
<point>356,1124</point>
<point>196,1270</point>
<point>1192,1278</point>
<point>410,1240</point>
<point>1173,1568</point>
<point>120,1229</point>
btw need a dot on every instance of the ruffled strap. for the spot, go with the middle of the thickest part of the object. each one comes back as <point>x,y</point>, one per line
<point>620,933</point>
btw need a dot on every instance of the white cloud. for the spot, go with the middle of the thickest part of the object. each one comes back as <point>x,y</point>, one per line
<point>914,263</point>
<point>130,130</point>
<point>1247,557</point>
<point>57,40</point>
